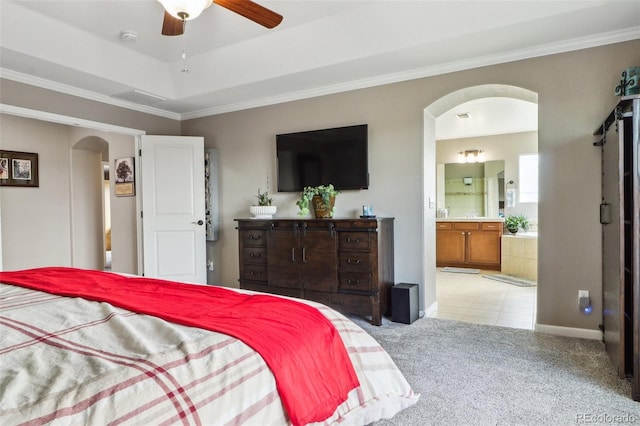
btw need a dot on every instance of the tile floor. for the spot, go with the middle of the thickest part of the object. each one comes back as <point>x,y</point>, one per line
<point>472,298</point>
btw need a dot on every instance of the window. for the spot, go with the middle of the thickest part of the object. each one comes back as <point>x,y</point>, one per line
<point>529,178</point>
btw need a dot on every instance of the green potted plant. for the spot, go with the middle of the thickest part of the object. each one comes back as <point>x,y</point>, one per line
<point>321,197</point>
<point>515,222</point>
<point>265,208</point>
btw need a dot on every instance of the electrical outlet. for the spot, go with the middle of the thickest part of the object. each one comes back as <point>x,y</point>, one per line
<point>210,265</point>
<point>584,302</point>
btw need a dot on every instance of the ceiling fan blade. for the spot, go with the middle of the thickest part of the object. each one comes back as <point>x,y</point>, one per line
<point>253,11</point>
<point>172,26</point>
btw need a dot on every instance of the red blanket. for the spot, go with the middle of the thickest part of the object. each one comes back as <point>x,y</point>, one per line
<point>304,351</point>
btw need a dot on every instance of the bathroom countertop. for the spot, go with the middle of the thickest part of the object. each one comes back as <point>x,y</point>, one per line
<point>470,219</point>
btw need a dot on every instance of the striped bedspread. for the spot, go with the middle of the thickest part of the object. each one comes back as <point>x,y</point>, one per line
<point>75,362</point>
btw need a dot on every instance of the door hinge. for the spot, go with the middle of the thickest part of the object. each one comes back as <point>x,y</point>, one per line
<point>139,153</point>
<point>141,215</point>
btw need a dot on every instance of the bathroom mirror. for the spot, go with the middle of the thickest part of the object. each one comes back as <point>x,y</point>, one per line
<point>470,189</point>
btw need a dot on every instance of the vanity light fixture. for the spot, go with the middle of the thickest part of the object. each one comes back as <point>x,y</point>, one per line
<point>471,156</point>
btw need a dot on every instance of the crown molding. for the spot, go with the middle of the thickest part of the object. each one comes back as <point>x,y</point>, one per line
<point>82,93</point>
<point>533,52</point>
<point>68,120</point>
<point>516,55</point>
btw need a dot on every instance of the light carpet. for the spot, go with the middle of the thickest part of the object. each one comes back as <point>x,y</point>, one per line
<point>471,374</point>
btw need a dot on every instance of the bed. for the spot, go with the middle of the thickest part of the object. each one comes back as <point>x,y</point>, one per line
<point>69,360</point>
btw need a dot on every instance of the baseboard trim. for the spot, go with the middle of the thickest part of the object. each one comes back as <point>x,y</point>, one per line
<point>431,310</point>
<point>582,333</point>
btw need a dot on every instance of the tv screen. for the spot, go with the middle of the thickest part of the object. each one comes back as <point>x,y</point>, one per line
<point>320,157</point>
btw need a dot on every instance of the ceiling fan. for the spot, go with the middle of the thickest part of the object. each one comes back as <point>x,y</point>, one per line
<point>178,12</point>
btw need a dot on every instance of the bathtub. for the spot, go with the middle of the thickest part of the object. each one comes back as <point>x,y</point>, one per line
<point>520,255</point>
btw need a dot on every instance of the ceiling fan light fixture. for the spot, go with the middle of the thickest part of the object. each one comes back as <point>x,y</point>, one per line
<point>185,9</point>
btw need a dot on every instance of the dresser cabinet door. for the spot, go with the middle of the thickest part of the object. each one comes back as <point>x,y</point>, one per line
<point>284,258</point>
<point>319,260</point>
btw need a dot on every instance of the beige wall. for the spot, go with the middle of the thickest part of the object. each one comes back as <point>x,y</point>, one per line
<point>59,223</point>
<point>86,209</point>
<point>36,228</point>
<point>41,234</point>
<point>123,209</point>
<point>575,92</point>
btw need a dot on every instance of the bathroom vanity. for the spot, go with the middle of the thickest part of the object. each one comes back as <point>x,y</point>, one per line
<point>469,243</point>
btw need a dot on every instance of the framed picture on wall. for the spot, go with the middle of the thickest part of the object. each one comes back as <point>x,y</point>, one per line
<point>125,177</point>
<point>18,169</point>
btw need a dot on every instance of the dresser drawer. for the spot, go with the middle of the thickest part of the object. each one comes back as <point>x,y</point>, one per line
<point>354,261</point>
<point>255,255</point>
<point>355,241</point>
<point>354,281</point>
<point>254,237</point>
<point>255,272</point>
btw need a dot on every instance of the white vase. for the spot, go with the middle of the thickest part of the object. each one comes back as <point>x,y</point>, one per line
<point>262,212</point>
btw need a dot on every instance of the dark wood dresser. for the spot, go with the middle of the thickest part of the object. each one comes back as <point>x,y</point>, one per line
<point>344,263</point>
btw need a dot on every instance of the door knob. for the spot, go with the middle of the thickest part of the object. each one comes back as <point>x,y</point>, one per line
<point>200,222</point>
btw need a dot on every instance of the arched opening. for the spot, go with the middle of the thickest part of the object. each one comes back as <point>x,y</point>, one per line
<point>90,213</point>
<point>485,311</point>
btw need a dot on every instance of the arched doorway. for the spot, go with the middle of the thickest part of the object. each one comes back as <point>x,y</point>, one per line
<point>88,212</point>
<point>432,112</point>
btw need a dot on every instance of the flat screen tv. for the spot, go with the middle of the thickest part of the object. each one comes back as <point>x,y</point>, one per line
<point>320,157</point>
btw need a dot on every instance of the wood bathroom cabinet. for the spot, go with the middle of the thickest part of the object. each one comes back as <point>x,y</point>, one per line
<point>469,244</point>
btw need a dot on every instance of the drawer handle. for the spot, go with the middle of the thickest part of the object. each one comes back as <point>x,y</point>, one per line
<point>353,281</point>
<point>255,255</point>
<point>349,240</point>
<point>255,273</point>
<point>254,237</point>
<point>353,261</point>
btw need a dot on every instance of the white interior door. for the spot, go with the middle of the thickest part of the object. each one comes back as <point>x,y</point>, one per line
<point>173,208</point>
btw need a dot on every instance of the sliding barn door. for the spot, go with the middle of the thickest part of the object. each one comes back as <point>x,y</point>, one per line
<point>620,216</point>
<point>611,212</point>
<point>632,142</point>
<point>173,208</point>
